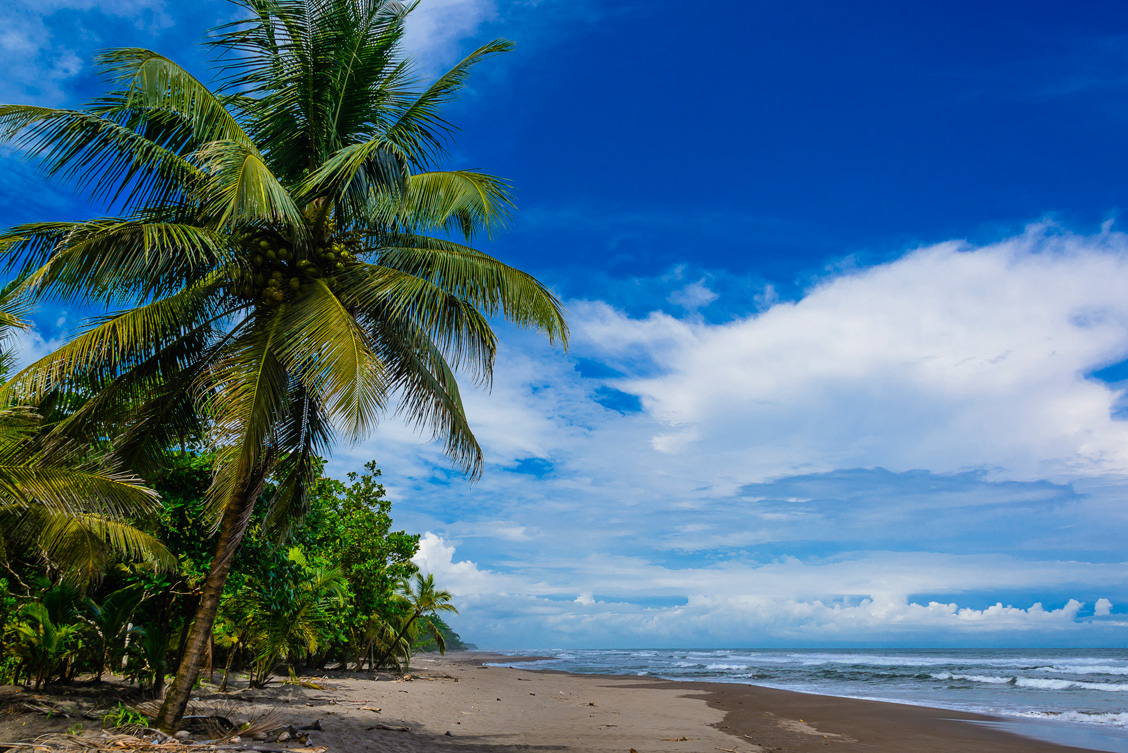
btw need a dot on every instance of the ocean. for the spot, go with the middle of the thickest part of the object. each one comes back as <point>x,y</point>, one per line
<point>1076,695</point>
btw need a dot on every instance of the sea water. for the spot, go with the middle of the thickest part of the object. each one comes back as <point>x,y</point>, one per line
<point>1083,690</point>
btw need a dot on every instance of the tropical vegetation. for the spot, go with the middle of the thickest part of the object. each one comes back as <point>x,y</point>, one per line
<point>283,260</point>
<point>304,607</point>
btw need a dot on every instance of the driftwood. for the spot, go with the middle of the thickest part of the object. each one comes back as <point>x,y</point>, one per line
<point>389,727</point>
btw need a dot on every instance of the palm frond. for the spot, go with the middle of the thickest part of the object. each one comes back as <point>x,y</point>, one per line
<point>487,284</point>
<point>419,129</point>
<point>428,392</point>
<point>110,258</point>
<point>91,152</point>
<point>115,343</point>
<point>83,545</point>
<point>323,345</point>
<point>461,333</point>
<point>244,395</point>
<point>241,189</point>
<point>303,438</point>
<point>458,201</point>
<point>153,82</point>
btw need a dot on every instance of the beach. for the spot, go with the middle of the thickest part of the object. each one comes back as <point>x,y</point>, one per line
<point>477,702</point>
<point>455,703</point>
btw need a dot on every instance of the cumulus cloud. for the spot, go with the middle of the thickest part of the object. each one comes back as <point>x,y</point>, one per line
<point>693,296</point>
<point>1103,607</point>
<point>950,358</point>
<point>920,433</point>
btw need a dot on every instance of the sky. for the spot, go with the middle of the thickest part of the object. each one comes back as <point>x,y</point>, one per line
<point>848,293</point>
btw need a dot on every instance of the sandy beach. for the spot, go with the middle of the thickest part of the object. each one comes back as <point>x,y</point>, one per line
<point>455,703</point>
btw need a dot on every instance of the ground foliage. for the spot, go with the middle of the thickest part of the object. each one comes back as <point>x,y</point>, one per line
<point>335,591</point>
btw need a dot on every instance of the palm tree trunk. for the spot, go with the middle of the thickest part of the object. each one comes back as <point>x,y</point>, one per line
<point>235,520</point>
<point>395,643</point>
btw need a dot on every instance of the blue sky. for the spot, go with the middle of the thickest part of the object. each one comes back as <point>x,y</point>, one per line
<point>849,301</point>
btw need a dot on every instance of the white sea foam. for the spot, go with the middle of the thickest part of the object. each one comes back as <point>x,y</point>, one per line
<point>727,666</point>
<point>974,678</point>
<point>1046,683</point>
<point>1082,668</point>
<point>1111,719</point>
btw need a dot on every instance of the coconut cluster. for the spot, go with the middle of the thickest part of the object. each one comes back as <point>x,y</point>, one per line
<point>278,270</point>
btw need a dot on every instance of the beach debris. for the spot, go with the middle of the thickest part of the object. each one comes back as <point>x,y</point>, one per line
<point>295,680</point>
<point>676,739</point>
<point>389,728</point>
<point>727,750</point>
<point>284,737</point>
<point>448,734</point>
<point>370,708</point>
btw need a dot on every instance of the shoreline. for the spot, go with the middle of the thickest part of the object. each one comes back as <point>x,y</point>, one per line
<point>787,720</point>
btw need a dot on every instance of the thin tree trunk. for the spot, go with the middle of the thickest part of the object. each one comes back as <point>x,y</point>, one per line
<point>211,656</point>
<point>395,643</point>
<point>235,520</point>
<point>227,669</point>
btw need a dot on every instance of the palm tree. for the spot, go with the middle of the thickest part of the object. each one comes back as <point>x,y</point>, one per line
<point>281,255</point>
<point>424,599</point>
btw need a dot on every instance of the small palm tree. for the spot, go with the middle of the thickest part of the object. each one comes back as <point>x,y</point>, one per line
<point>278,633</point>
<point>280,259</point>
<point>41,644</point>
<point>111,621</point>
<point>424,599</point>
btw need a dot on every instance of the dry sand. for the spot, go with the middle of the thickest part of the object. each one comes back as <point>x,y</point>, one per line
<point>457,705</point>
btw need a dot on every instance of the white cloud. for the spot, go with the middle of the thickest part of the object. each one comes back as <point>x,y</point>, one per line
<point>29,345</point>
<point>435,28</point>
<point>693,296</point>
<point>748,604</point>
<point>724,499</point>
<point>949,358</point>
<point>39,56</point>
<point>1103,608</point>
